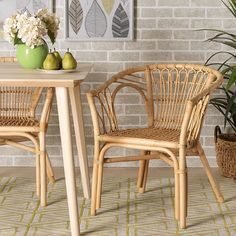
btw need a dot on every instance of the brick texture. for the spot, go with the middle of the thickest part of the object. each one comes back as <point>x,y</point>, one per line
<point>165,31</point>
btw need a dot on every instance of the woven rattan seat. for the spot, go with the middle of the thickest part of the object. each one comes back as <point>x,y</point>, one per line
<point>159,137</point>
<point>27,122</point>
<point>18,123</point>
<point>175,99</point>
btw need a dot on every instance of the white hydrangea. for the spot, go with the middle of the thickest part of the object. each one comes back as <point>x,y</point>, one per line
<point>31,29</point>
<point>50,19</point>
<point>10,28</point>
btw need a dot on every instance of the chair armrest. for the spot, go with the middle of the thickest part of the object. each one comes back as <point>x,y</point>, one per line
<point>46,109</point>
<point>102,100</point>
<point>207,91</point>
<point>102,109</point>
<point>194,114</point>
<point>93,110</point>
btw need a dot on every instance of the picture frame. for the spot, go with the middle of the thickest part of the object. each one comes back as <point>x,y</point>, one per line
<point>9,7</point>
<point>99,20</point>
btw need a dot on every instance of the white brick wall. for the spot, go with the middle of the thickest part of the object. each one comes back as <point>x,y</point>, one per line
<point>164,32</point>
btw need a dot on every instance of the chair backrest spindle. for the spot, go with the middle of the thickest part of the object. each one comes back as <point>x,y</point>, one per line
<point>18,101</point>
<point>172,86</point>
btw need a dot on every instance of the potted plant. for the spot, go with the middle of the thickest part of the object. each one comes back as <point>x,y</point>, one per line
<point>28,32</point>
<point>226,102</point>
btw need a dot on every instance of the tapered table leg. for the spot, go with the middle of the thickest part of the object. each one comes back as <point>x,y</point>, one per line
<point>77,113</point>
<point>66,141</point>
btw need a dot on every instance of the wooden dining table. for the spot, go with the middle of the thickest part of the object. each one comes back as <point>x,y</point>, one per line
<point>67,86</point>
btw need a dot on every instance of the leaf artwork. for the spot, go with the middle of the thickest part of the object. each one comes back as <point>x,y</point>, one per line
<point>38,4</point>
<point>108,5</point>
<point>120,23</point>
<point>75,15</point>
<point>95,23</point>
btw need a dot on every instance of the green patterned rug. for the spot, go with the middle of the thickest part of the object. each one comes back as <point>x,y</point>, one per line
<point>123,212</point>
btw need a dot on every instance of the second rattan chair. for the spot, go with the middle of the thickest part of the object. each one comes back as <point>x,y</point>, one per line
<point>18,123</point>
<point>175,98</point>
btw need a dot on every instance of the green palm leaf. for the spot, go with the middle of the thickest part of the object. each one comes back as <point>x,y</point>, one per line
<point>229,108</point>
<point>230,44</point>
<point>232,79</point>
<point>220,52</point>
<point>220,31</point>
<point>220,37</point>
<point>226,104</point>
<point>232,7</point>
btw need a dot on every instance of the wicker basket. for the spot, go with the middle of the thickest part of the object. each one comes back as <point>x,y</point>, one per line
<point>225,153</point>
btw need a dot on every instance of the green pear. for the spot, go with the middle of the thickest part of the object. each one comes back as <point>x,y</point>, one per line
<point>51,62</point>
<point>69,62</point>
<point>58,56</point>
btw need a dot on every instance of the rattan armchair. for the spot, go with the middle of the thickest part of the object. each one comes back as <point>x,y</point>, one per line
<point>18,123</point>
<point>175,97</point>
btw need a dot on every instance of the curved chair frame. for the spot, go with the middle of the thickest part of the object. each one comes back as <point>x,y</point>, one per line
<point>18,124</point>
<point>176,97</point>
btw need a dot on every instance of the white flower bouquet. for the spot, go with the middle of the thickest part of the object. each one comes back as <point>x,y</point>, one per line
<point>24,28</point>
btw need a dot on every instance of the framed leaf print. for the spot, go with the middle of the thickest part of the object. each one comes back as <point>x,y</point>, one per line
<point>9,7</point>
<point>99,20</point>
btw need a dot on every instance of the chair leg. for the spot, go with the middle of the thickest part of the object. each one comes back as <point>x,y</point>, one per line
<point>182,188</point>
<point>214,185</point>
<point>50,173</point>
<point>99,181</point>
<point>43,179</point>
<point>94,178</point>
<point>140,173</point>
<point>186,180</point>
<point>176,195</point>
<point>145,174</point>
<point>38,175</point>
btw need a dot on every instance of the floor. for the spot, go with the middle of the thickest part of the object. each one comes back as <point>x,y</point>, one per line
<point>124,211</point>
<point>29,172</point>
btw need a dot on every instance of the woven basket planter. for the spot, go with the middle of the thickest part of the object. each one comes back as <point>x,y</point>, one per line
<point>225,145</point>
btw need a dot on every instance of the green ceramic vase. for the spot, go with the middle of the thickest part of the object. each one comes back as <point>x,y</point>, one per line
<point>31,58</point>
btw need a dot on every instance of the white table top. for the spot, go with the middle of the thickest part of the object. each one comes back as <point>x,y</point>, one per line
<point>12,74</point>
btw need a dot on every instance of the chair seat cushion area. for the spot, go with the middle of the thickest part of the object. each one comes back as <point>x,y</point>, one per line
<point>19,124</point>
<point>145,137</point>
